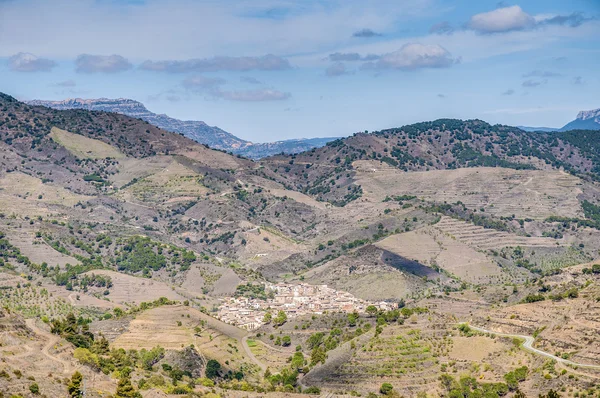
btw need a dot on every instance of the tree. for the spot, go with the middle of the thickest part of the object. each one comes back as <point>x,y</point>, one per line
<point>386,388</point>
<point>280,319</point>
<point>297,360</point>
<point>371,310</point>
<point>212,369</point>
<point>286,341</point>
<point>352,319</point>
<point>126,390</point>
<point>267,318</point>
<point>74,387</point>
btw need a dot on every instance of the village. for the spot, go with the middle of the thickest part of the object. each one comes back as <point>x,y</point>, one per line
<point>293,299</point>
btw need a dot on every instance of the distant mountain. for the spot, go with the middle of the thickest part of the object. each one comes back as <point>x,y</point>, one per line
<point>293,146</point>
<point>544,129</point>
<point>586,120</point>
<point>198,131</point>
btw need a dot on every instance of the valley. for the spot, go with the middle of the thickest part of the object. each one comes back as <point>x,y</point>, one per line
<point>136,259</point>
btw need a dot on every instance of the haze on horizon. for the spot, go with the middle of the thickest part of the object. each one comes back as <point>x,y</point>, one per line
<point>270,70</point>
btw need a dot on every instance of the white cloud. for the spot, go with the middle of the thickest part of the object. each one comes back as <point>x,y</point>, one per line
<point>199,83</point>
<point>367,33</point>
<point>267,62</point>
<point>501,20</point>
<point>250,80</point>
<point>86,63</point>
<point>26,62</point>
<point>254,95</point>
<point>415,56</point>
<point>187,29</point>
<point>212,87</point>
<point>66,83</point>
<point>337,69</point>
<point>533,83</point>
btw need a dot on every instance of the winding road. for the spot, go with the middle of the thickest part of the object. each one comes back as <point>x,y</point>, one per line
<point>52,341</point>
<point>528,345</point>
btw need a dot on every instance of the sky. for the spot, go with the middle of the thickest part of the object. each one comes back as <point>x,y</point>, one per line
<point>267,70</point>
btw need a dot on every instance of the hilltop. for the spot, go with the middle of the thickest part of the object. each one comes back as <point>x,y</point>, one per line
<point>328,173</point>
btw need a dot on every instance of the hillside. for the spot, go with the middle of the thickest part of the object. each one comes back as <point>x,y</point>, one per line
<point>329,173</point>
<point>128,252</point>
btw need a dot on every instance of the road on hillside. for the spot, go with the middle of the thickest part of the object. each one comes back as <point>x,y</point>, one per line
<point>528,345</point>
<point>251,354</point>
<point>52,340</point>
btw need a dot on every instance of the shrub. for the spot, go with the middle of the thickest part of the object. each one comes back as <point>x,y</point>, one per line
<point>386,388</point>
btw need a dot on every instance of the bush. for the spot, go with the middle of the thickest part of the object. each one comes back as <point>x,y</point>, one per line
<point>34,388</point>
<point>312,390</point>
<point>212,369</point>
<point>386,388</point>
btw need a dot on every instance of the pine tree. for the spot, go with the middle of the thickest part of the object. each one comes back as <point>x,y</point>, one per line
<point>74,386</point>
<point>126,390</point>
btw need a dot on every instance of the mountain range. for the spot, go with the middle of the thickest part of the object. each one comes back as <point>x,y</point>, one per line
<point>196,130</point>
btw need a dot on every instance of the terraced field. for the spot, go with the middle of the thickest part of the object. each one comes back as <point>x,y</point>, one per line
<point>486,239</point>
<point>401,355</point>
<point>535,194</point>
<point>175,327</point>
<point>36,249</point>
<point>431,247</point>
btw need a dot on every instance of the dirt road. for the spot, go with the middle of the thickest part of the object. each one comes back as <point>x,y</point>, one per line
<point>52,341</point>
<point>250,354</point>
<point>528,345</point>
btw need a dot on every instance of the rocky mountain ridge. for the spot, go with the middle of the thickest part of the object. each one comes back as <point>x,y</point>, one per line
<point>196,130</point>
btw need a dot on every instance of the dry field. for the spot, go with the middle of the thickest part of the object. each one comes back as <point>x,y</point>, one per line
<point>24,195</point>
<point>130,168</point>
<point>535,194</point>
<point>129,289</point>
<point>172,183</point>
<point>83,147</point>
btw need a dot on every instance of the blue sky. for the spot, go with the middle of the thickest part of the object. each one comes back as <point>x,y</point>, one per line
<point>267,70</point>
